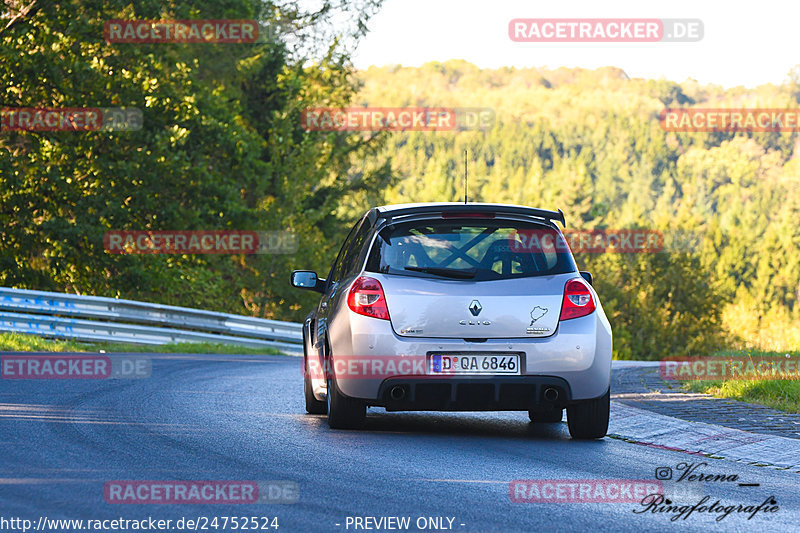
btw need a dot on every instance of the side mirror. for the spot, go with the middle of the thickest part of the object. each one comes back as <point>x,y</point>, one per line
<point>587,276</point>
<point>307,279</point>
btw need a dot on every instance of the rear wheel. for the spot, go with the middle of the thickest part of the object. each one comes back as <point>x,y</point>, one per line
<point>549,416</point>
<point>344,412</point>
<point>589,419</point>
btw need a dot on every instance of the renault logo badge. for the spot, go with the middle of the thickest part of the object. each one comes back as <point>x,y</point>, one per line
<point>475,308</point>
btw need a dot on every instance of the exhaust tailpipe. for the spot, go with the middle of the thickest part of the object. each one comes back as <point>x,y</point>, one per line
<point>551,394</point>
<point>398,392</point>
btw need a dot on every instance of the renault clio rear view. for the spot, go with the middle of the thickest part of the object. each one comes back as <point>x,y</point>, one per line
<point>457,307</point>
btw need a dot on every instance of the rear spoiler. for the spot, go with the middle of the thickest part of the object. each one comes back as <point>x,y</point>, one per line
<point>374,214</point>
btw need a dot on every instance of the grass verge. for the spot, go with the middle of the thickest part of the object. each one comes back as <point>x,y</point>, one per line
<point>783,394</point>
<point>18,342</point>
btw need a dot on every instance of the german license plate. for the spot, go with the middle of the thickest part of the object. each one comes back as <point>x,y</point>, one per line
<point>474,364</point>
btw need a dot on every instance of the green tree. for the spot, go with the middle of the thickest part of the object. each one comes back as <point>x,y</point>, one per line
<point>221,147</point>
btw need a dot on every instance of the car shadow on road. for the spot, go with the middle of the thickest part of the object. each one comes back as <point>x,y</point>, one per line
<point>505,425</point>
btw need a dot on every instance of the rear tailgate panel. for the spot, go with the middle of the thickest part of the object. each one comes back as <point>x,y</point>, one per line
<point>510,308</point>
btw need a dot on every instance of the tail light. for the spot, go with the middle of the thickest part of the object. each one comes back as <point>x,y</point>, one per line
<point>366,298</point>
<point>578,300</point>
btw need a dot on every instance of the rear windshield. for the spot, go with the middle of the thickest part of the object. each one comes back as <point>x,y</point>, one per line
<point>475,250</point>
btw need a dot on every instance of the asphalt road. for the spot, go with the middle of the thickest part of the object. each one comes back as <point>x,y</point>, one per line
<point>221,417</point>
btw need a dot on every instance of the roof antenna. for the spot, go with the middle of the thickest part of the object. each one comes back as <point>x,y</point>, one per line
<point>465,175</point>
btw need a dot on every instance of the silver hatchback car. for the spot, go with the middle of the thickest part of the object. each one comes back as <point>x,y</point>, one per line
<point>457,307</point>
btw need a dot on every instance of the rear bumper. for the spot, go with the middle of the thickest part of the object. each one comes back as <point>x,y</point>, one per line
<point>577,357</point>
<point>478,393</point>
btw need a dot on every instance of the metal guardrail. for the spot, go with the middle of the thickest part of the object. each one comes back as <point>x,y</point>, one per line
<point>69,316</point>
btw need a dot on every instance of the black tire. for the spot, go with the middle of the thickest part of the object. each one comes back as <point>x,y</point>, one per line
<point>313,406</point>
<point>344,412</point>
<point>550,416</point>
<point>589,419</point>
